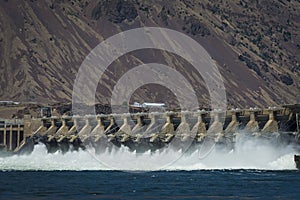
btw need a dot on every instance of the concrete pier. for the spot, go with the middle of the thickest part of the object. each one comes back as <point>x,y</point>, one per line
<point>183,131</point>
<point>252,125</point>
<point>272,124</point>
<point>98,131</point>
<point>199,130</point>
<point>125,129</point>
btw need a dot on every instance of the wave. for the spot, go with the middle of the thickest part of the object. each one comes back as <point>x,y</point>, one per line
<point>247,154</point>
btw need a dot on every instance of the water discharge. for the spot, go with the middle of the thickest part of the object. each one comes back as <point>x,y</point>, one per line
<point>247,154</point>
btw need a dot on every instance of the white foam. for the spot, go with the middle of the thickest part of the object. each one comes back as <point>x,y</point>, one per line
<point>250,154</point>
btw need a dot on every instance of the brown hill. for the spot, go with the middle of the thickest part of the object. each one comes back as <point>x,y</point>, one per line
<point>255,44</point>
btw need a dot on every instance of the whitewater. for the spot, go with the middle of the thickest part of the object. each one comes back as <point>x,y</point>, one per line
<point>247,154</point>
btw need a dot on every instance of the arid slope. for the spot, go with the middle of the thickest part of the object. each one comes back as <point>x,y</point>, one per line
<point>256,46</point>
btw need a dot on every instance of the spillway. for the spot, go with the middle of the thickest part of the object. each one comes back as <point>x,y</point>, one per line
<point>141,132</point>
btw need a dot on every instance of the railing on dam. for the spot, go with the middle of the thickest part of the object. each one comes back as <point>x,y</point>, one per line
<point>201,123</point>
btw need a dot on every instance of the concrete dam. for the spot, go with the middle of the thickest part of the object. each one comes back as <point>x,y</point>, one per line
<point>143,131</point>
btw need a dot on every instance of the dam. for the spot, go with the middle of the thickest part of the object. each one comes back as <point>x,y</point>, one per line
<point>143,131</point>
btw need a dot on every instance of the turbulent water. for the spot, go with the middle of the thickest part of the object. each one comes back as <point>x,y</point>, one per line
<point>247,154</point>
<point>255,169</point>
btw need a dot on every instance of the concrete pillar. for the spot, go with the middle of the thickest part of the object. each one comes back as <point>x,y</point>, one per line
<point>63,129</point>
<point>136,129</point>
<point>153,121</point>
<point>28,126</point>
<point>74,128</point>
<point>52,129</point>
<point>154,128</point>
<point>167,131</point>
<point>183,131</point>
<point>234,124</point>
<point>139,129</point>
<point>112,129</point>
<point>40,131</point>
<point>98,131</point>
<point>18,136</point>
<point>4,136</point>
<point>252,125</point>
<point>10,138</point>
<point>215,130</point>
<point>271,125</point>
<point>86,130</point>
<point>216,127</point>
<point>125,129</point>
<point>199,129</point>
<point>112,126</point>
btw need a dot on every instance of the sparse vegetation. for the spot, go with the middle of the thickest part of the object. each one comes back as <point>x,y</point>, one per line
<point>49,40</point>
<point>286,79</point>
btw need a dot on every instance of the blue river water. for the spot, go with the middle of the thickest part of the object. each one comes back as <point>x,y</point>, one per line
<point>205,184</point>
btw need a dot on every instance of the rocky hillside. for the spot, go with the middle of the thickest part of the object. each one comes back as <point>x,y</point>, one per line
<point>256,45</point>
